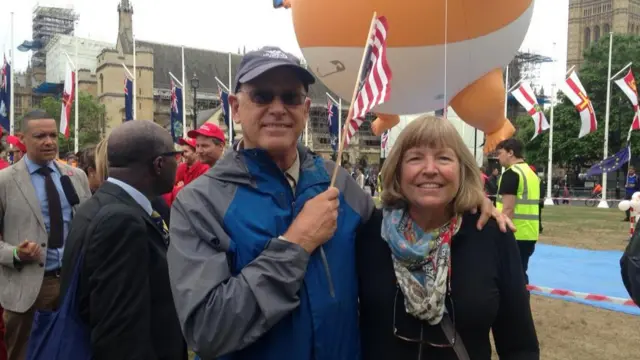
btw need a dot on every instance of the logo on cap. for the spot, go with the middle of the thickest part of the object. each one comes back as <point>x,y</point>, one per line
<point>275,54</point>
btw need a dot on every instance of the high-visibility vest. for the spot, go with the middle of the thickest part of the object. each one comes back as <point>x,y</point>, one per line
<point>527,210</point>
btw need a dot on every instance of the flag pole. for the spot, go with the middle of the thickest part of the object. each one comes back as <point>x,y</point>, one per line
<point>506,86</point>
<point>11,83</point>
<point>184,110</point>
<point>135,87</point>
<point>230,115</point>
<point>353,99</point>
<point>76,130</point>
<point>339,120</point>
<point>549,201</point>
<point>603,203</point>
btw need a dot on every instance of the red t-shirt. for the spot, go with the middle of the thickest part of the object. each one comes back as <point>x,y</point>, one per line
<point>185,175</point>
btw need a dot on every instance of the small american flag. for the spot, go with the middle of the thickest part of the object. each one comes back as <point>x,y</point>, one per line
<point>374,85</point>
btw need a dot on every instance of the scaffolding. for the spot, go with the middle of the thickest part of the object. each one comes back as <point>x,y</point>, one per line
<point>47,22</point>
<point>525,66</point>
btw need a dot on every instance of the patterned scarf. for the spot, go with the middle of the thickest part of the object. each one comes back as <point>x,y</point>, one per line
<point>421,261</point>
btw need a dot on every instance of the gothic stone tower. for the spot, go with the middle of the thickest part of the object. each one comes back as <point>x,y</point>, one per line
<point>111,75</point>
<point>591,20</point>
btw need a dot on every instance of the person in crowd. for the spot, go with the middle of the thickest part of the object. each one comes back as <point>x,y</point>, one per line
<point>491,185</point>
<point>124,242</point>
<point>37,202</point>
<point>209,143</point>
<point>247,235</point>
<point>519,197</point>
<point>631,186</point>
<point>188,170</point>
<point>18,150</point>
<point>359,177</point>
<point>87,163</point>
<point>431,284</point>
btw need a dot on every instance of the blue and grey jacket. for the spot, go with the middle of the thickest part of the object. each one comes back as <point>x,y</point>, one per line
<point>242,293</point>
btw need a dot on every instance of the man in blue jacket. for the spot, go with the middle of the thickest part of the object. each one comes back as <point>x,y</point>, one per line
<point>262,260</point>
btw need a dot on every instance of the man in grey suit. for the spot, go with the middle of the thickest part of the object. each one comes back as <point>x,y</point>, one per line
<point>38,197</point>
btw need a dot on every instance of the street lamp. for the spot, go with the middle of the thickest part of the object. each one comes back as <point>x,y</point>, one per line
<point>195,84</point>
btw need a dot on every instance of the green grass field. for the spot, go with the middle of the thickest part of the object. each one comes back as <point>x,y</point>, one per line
<point>584,227</point>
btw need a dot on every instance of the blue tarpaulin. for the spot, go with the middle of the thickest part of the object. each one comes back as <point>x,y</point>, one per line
<point>588,271</point>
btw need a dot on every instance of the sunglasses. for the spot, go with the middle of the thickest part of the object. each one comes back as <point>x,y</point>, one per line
<point>397,334</point>
<point>266,97</point>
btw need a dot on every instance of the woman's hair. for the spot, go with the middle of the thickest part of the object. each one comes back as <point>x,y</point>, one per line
<point>102,164</point>
<point>436,133</point>
<point>86,158</point>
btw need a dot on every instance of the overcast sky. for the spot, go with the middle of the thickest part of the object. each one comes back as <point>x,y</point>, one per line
<point>226,25</point>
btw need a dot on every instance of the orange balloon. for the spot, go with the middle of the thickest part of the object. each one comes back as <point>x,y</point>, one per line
<point>478,37</point>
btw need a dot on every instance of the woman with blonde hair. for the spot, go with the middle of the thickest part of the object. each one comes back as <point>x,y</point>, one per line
<point>431,284</point>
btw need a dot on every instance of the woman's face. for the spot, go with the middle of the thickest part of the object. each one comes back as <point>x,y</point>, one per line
<point>430,178</point>
<point>94,181</point>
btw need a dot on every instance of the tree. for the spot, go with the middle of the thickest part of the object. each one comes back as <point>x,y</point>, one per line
<point>567,148</point>
<point>91,120</point>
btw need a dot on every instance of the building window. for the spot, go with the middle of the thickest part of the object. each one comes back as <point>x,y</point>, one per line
<point>101,83</point>
<point>596,33</point>
<point>605,29</point>
<point>587,37</point>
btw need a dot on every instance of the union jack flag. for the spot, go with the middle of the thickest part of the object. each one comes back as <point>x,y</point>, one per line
<point>374,85</point>
<point>176,112</point>
<point>5,97</point>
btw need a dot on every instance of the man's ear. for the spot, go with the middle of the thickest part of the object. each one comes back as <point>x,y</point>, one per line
<point>234,106</point>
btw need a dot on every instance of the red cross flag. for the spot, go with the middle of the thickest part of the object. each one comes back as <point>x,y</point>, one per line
<point>67,100</point>
<point>578,96</point>
<point>527,98</point>
<point>628,86</point>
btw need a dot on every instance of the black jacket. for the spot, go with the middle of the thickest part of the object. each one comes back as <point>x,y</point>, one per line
<point>123,294</point>
<point>488,294</point>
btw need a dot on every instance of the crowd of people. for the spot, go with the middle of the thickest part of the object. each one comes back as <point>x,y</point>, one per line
<point>142,251</point>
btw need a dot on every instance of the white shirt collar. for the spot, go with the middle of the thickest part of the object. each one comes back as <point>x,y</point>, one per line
<point>135,194</point>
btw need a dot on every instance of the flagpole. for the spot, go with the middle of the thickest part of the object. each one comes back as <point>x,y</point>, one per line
<point>11,83</point>
<point>135,76</point>
<point>184,109</point>
<point>549,201</point>
<point>603,203</point>
<point>506,86</point>
<point>230,115</point>
<point>353,99</point>
<point>76,127</point>
<point>339,120</point>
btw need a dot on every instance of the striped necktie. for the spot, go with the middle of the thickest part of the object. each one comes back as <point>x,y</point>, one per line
<point>160,223</point>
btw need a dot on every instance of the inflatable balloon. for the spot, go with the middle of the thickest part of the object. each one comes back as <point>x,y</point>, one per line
<point>624,205</point>
<point>481,38</point>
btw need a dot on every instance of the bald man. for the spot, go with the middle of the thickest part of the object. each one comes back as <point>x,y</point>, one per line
<point>123,295</point>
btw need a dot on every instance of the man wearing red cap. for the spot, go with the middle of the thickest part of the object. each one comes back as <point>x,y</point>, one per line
<point>187,171</point>
<point>209,143</point>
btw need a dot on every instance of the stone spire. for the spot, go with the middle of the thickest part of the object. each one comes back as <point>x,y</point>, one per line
<point>125,33</point>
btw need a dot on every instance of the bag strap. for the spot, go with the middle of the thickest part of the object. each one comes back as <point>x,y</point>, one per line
<point>453,337</point>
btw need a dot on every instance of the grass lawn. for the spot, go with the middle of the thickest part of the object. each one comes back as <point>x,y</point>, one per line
<point>584,227</point>
<point>573,331</point>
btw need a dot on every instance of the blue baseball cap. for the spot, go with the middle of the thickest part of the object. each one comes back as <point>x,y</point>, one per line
<point>258,62</point>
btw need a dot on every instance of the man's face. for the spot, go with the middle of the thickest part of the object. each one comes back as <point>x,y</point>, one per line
<point>165,169</point>
<point>504,157</point>
<point>208,150</point>
<point>272,110</point>
<point>189,154</point>
<point>632,171</point>
<point>495,172</point>
<point>41,139</point>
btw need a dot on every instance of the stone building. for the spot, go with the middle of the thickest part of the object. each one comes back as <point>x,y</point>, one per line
<point>589,20</point>
<point>154,61</point>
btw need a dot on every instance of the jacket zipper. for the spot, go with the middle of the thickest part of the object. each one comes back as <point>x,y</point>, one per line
<point>328,271</point>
